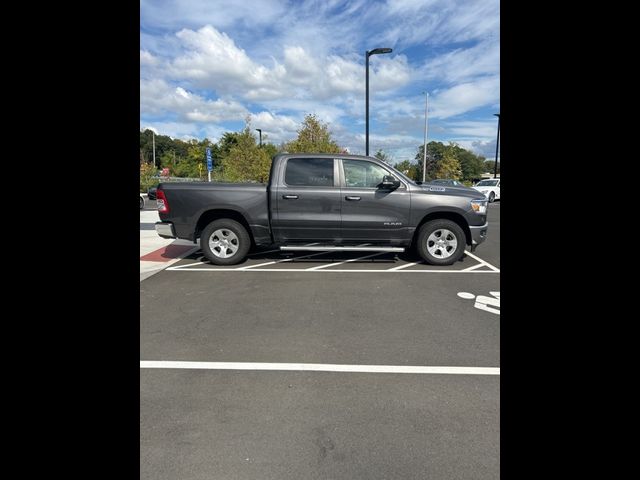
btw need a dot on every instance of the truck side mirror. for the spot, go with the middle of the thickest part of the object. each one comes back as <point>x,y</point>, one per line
<point>389,182</point>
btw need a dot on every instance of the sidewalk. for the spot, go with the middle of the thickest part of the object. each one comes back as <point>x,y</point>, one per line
<point>158,253</point>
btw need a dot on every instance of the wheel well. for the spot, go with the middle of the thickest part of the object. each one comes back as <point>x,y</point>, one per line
<point>454,217</point>
<point>210,215</point>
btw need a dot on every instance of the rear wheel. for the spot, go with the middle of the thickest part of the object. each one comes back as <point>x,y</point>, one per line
<point>141,203</point>
<point>440,242</point>
<point>225,242</point>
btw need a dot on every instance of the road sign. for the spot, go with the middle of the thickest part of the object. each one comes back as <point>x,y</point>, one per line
<point>209,162</point>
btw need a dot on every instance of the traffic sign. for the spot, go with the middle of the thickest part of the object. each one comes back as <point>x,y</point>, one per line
<point>209,162</point>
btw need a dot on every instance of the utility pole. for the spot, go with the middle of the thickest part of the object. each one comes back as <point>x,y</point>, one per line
<point>424,158</point>
<point>495,166</point>
<point>154,148</point>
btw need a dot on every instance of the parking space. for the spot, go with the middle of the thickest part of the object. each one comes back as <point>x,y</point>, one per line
<point>322,365</point>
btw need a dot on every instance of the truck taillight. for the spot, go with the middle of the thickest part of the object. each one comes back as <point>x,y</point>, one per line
<point>161,200</point>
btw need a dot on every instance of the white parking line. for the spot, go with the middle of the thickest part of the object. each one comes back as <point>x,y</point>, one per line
<point>327,270</point>
<point>320,367</point>
<point>480,265</point>
<point>406,265</point>
<point>495,269</point>
<point>279,261</point>
<point>346,261</point>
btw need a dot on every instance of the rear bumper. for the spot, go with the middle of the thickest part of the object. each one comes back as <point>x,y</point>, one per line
<point>165,230</point>
<point>478,234</point>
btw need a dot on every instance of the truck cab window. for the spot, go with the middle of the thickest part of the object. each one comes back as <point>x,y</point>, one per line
<point>309,172</point>
<point>363,174</point>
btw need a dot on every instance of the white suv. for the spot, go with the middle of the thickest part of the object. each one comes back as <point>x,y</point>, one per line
<point>490,188</point>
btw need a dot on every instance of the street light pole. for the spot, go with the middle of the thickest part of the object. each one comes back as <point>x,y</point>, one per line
<point>260,131</point>
<point>154,148</point>
<point>375,51</point>
<point>424,159</point>
<point>495,166</point>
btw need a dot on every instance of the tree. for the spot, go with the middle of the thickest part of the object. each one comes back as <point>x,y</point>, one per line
<point>245,161</point>
<point>313,137</point>
<point>488,166</point>
<point>435,152</point>
<point>408,168</point>
<point>448,167</point>
<point>381,155</point>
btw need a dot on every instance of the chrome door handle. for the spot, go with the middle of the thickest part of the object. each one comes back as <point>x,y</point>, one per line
<point>290,197</point>
<point>353,199</point>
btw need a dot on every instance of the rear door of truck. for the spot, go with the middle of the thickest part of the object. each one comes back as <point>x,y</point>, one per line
<point>307,201</point>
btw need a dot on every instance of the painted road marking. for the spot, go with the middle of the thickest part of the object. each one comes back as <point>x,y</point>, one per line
<point>167,253</point>
<point>328,266</point>
<point>279,261</point>
<point>320,367</point>
<point>345,261</point>
<point>495,269</point>
<point>327,270</point>
<point>483,302</point>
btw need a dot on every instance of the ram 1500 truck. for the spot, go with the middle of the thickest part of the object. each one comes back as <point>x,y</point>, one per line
<point>324,202</point>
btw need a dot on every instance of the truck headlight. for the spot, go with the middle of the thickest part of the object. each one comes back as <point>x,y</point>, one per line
<point>479,206</point>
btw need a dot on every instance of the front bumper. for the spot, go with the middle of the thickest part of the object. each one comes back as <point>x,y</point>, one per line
<point>478,234</point>
<point>165,230</point>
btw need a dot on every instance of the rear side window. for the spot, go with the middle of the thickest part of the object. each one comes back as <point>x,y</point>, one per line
<point>309,172</point>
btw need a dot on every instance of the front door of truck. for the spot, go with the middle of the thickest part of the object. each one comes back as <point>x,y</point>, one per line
<point>307,201</point>
<point>371,214</point>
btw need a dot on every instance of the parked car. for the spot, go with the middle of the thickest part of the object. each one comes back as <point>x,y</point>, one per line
<point>490,188</point>
<point>324,202</point>
<point>141,202</point>
<point>445,181</point>
<point>152,193</point>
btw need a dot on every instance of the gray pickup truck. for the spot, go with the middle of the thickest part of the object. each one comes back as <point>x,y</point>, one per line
<point>324,202</point>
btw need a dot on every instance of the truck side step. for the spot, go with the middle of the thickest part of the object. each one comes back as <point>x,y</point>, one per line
<point>322,248</point>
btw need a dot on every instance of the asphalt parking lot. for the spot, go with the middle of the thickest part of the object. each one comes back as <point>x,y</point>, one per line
<point>322,365</point>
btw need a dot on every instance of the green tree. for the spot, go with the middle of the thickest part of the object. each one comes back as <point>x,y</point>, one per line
<point>449,167</point>
<point>313,137</point>
<point>245,160</point>
<point>408,168</point>
<point>382,155</point>
<point>147,179</point>
<point>435,152</point>
<point>488,166</point>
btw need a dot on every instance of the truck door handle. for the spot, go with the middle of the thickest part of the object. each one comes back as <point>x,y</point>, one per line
<point>290,197</point>
<point>353,199</point>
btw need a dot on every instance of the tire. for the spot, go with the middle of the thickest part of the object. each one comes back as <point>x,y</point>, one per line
<point>235,248</point>
<point>492,197</point>
<point>141,203</point>
<point>436,249</point>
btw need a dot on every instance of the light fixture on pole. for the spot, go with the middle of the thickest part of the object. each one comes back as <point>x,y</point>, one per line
<point>495,166</point>
<point>424,149</point>
<point>260,131</point>
<point>375,51</point>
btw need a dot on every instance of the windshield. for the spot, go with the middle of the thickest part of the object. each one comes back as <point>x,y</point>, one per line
<point>487,183</point>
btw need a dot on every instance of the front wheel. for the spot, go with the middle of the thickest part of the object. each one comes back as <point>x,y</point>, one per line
<point>225,242</point>
<point>492,197</point>
<point>440,242</point>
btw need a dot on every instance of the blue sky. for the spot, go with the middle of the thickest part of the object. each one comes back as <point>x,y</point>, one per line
<point>205,65</point>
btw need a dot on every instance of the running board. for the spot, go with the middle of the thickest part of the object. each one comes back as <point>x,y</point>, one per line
<point>320,248</point>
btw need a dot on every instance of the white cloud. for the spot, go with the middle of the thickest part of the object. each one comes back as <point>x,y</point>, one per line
<point>465,64</point>
<point>464,97</point>
<point>212,60</point>
<point>157,97</point>
<point>473,128</point>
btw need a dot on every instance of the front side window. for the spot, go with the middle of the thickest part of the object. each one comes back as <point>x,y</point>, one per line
<point>309,172</point>
<point>363,174</point>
